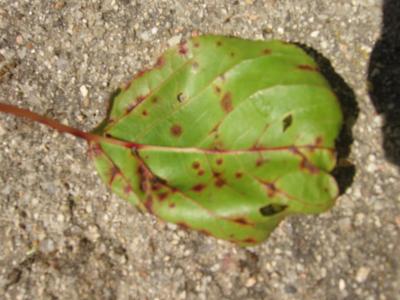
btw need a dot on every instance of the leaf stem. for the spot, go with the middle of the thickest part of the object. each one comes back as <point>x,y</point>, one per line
<point>89,137</point>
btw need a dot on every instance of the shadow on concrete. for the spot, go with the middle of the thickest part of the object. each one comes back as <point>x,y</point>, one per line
<point>345,171</point>
<point>384,79</point>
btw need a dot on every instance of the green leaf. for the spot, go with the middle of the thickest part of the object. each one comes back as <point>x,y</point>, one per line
<point>225,136</point>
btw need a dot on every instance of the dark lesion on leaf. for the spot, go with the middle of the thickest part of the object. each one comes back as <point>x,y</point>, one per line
<point>272,209</point>
<point>287,122</point>
<point>309,68</point>
<point>176,130</point>
<point>226,102</point>
<point>180,97</point>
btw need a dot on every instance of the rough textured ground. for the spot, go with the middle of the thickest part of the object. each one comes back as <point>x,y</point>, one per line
<point>64,236</point>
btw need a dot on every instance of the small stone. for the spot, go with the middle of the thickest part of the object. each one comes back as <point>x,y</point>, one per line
<point>397,220</point>
<point>2,130</point>
<point>174,40</point>
<point>362,274</point>
<point>250,282</point>
<point>342,285</point>
<point>290,289</point>
<point>19,39</point>
<point>314,34</point>
<point>84,91</point>
<point>145,36</point>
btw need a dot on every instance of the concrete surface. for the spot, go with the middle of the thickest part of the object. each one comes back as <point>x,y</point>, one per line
<point>64,236</point>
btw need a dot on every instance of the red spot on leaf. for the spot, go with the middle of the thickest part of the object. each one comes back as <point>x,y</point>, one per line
<point>95,150</point>
<point>114,172</point>
<point>307,68</point>
<point>183,48</point>
<point>149,204</point>
<point>127,189</point>
<point>271,189</point>
<point>162,196</point>
<point>220,182</point>
<point>198,187</point>
<point>238,175</point>
<point>250,241</point>
<point>196,165</point>
<point>176,130</point>
<point>226,102</point>
<point>219,161</point>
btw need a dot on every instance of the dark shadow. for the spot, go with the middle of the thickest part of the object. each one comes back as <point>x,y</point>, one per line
<point>384,79</point>
<point>344,171</point>
<point>100,128</point>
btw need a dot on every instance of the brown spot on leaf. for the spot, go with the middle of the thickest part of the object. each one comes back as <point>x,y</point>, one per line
<point>216,174</point>
<point>196,165</point>
<point>135,103</point>
<point>217,89</point>
<point>200,173</point>
<point>144,113</point>
<point>267,51</point>
<point>242,221</point>
<point>259,162</point>
<point>195,65</point>
<point>171,205</point>
<point>238,175</point>
<point>220,182</point>
<point>307,68</point>
<point>198,187</point>
<point>319,141</point>
<point>219,43</point>
<point>287,122</point>
<point>205,232</point>
<point>180,97</point>
<point>160,62</point>
<point>176,130</point>
<point>232,54</point>
<point>183,225</point>
<point>306,165</point>
<point>272,209</point>
<point>196,44</point>
<point>143,179</point>
<point>154,99</point>
<point>219,161</point>
<point>226,102</point>
<point>250,241</point>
